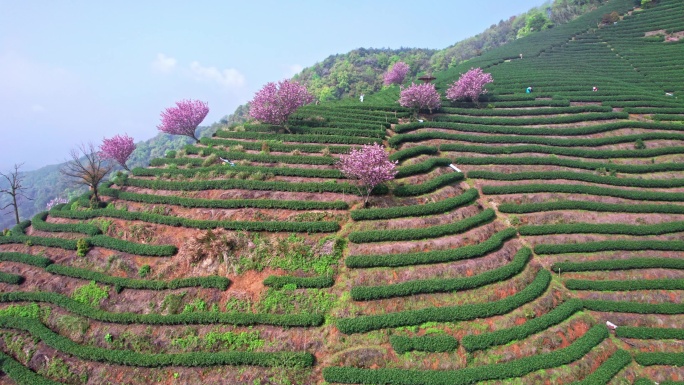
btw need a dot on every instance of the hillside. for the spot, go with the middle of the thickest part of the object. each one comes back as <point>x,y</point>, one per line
<point>567,213</point>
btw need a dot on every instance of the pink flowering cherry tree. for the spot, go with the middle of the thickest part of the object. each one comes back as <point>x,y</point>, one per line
<point>274,103</point>
<point>396,74</point>
<point>420,97</point>
<point>119,148</point>
<point>184,118</point>
<point>469,86</point>
<point>370,166</point>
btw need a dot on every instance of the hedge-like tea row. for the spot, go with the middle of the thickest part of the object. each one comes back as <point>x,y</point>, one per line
<point>29,259</point>
<point>442,285</point>
<point>625,285</point>
<point>428,186</point>
<point>564,162</point>
<point>612,245</point>
<point>263,158</point>
<point>273,226</point>
<point>465,224</point>
<point>659,358</point>
<point>422,167</point>
<point>574,118</point>
<point>132,247</point>
<point>275,146</point>
<point>440,207</point>
<point>277,281</point>
<point>620,264</point>
<point>38,223</point>
<point>608,369</point>
<point>396,140</point>
<point>438,343</point>
<point>224,203</point>
<point>195,318</point>
<point>229,184</point>
<point>413,152</point>
<point>494,243</point>
<point>633,307</point>
<point>220,283</point>
<point>363,324</point>
<point>304,138</point>
<point>66,244</point>
<point>220,169</point>
<point>515,368</point>
<point>131,358</point>
<point>578,176</point>
<point>21,374</point>
<point>518,112</point>
<point>582,189</point>
<point>12,279</point>
<point>473,342</point>
<point>576,152</point>
<point>603,228</point>
<point>525,208</point>
<point>644,333</point>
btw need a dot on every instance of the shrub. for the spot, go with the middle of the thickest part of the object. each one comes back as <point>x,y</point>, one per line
<point>440,207</point>
<point>440,285</point>
<point>428,343</point>
<point>429,186</point>
<point>465,224</point>
<point>367,323</point>
<point>278,282</point>
<point>394,260</point>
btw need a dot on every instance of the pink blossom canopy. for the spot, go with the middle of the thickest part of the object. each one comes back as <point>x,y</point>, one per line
<point>119,148</point>
<point>396,74</point>
<point>274,103</point>
<point>420,96</point>
<point>184,118</point>
<point>470,85</point>
<point>370,165</point>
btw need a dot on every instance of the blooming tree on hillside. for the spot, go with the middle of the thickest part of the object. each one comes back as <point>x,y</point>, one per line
<point>420,96</point>
<point>469,86</point>
<point>184,118</point>
<point>54,202</point>
<point>396,74</point>
<point>119,148</point>
<point>274,103</point>
<point>370,165</point>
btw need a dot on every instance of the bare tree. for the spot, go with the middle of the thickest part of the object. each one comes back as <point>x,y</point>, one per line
<point>15,189</point>
<point>87,167</point>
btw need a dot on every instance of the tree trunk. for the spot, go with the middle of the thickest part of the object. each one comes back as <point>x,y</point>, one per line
<point>16,208</point>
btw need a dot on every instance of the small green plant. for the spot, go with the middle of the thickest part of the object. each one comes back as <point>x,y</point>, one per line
<point>265,148</point>
<point>82,247</point>
<point>108,337</point>
<point>90,294</point>
<point>171,154</point>
<point>144,271</point>
<point>326,151</point>
<point>639,144</point>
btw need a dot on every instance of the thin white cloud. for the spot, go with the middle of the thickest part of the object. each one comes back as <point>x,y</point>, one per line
<point>37,108</point>
<point>294,69</point>
<point>163,64</point>
<point>229,77</point>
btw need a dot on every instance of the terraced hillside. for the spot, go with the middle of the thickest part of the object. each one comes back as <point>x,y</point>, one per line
<point>567,213</point>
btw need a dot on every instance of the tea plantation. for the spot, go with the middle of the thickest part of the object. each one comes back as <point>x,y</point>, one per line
<point>568,212</point>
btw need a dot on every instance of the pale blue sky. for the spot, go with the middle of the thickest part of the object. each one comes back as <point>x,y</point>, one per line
<point>78,71</point>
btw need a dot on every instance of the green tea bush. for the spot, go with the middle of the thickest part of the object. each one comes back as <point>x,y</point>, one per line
<point>277,282</point>
<point>131,358</point>
<point>612,245</point>
<point>441,285</point>
<point>363,324</point>
<point>194,318</point>
<point>603,228</point>
<point>429,186</point>
<point>582,189</point>
<point>429,343</point>
<point>589,206</point>
<point>620,264</point>
<point>440,207</point>
<point>471,375</point>
<point>465,224</point>
<point>494,243</point>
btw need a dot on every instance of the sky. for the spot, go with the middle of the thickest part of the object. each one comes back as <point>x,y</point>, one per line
<point>74,72</point>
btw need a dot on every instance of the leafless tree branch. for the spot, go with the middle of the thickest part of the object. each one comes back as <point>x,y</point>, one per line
<point>87,167</point>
